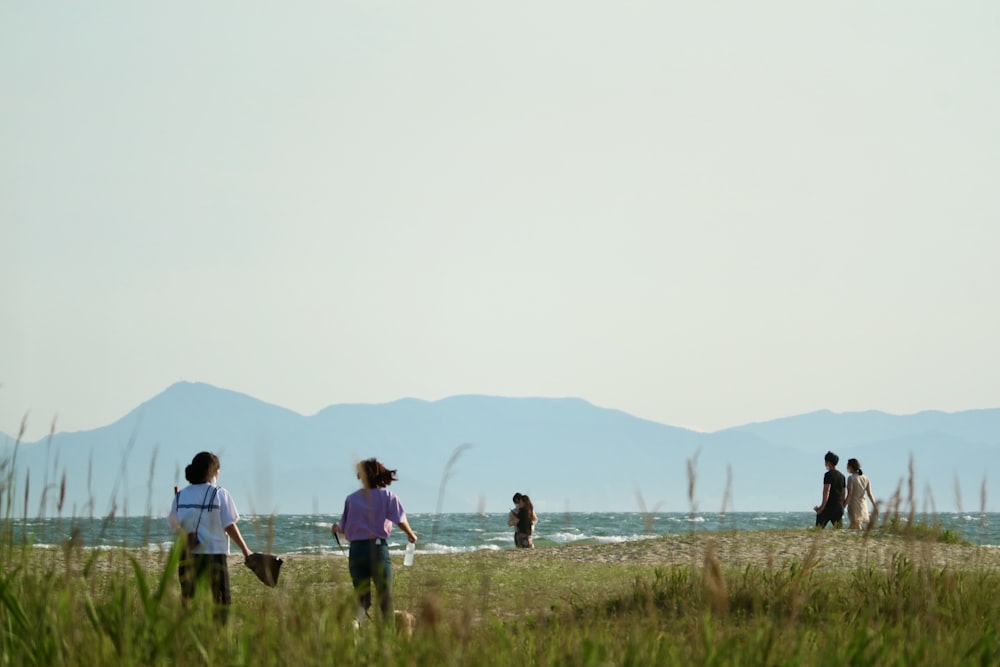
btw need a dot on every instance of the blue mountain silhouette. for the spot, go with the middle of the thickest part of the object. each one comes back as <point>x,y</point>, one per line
<point>471,453</point>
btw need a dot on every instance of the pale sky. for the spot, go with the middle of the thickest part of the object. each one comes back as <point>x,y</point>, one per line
<point>699,213</point>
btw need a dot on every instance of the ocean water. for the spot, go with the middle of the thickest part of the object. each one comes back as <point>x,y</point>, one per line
<point>451,533</point>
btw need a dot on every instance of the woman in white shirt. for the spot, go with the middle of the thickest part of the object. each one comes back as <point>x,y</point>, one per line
<point>205,509</point>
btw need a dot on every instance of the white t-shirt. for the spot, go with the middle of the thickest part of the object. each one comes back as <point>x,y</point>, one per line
<point>217,511</point>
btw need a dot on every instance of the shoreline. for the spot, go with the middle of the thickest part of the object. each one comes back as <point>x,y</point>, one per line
<point>831,550</point>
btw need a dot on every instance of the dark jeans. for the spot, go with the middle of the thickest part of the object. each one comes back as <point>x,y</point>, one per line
<point>369,563</point>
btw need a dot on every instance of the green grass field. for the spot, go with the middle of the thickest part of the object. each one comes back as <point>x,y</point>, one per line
<point>74,606</point>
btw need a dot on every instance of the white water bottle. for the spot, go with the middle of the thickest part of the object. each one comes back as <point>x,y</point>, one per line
<point>408,556</point>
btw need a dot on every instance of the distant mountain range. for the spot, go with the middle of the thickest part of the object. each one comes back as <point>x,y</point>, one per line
<point>471,453</point>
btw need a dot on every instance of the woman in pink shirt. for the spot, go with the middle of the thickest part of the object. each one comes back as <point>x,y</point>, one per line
<point>366,522</point>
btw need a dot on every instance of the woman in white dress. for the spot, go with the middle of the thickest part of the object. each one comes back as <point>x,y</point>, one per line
<point>858,487</point>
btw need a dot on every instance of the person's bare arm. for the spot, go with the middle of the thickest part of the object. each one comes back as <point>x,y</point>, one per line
<point>234,533</point>
<point>405,527</point>
<point>826,496</point>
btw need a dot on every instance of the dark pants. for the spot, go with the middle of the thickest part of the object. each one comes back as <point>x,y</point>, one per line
<point>213,568</point>
<point>368,562</point>
<point>827,516</point>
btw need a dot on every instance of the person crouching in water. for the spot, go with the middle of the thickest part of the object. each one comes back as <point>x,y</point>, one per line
<point>366,522</point>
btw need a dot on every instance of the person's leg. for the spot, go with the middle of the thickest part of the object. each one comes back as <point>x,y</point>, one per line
<point>191,571</point>
<point>359,564</point>
<point>221,594</point>
<point>383,584</point>
<point>186,573</point>
<point>219,576</point>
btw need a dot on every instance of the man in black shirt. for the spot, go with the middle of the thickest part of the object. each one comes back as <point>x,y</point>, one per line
<point>834,487</point>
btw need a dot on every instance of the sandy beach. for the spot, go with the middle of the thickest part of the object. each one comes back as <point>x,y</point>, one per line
<point>831,549</point>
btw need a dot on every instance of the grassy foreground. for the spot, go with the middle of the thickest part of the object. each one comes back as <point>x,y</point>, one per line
<point>747,598</point>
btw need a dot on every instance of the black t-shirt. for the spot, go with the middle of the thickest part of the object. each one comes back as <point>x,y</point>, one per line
<point>837,482</point>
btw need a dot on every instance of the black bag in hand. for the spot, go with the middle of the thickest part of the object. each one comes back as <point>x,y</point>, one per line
<point>267,567</point>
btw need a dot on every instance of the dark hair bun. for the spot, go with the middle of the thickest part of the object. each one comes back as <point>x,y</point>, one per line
<point>201,465</point>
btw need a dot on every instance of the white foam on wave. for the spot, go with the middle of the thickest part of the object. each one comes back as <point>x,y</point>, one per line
<point>570,538</point>
<point>688,518</point>
<point>445,549</point>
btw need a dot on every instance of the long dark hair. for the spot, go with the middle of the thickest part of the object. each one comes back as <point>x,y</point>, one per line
<point>528,506</point>
<point>374,475</point>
